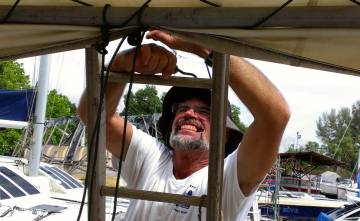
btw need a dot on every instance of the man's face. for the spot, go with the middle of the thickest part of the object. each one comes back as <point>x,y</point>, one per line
<point>191,125</point>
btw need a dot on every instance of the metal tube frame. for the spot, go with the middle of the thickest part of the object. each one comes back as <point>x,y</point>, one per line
<point>96,202</point>
<point>217,138</point>
<point>190,17</point>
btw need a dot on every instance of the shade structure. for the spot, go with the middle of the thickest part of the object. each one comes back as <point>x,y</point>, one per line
<point>322,35</point>
<point>316,34</point>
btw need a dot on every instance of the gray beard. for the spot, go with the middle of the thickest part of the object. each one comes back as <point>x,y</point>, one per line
<point>184,143</point>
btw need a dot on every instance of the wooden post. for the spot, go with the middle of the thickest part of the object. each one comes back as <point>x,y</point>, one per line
<point>96,202</point>
<point>217,137</point>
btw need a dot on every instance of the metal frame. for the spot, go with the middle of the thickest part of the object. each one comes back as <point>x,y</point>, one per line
<point>190,17</point>
<point>219,87</point>
<point>96,202</point>
<point>341,17</point>
<point>219,96</point>
<point>195,17</point>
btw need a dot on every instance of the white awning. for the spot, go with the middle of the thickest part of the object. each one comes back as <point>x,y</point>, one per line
<point>315,34</point>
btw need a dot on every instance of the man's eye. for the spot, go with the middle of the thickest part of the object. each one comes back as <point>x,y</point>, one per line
<point>182,109</point>
<point>204,111</point>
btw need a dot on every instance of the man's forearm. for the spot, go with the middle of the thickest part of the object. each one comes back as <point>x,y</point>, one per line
<point>259,147</point>
<point>262,98</point>
<point>113,94</point>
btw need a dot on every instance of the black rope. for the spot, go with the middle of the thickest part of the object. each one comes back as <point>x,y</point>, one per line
<point>266,18</point>
<point>101,48</point>
<point>94,137</point>
<point>104,42</point>
<point>4,20</point>
<point>355,2</point>
<point>208,70</point>
<point>210,3</point>
<point>82,3</point>
<point>137,14</point>
<point>137,49</point>
<point>97,125</point>
<point>201,203</point>
<point>185,73</point>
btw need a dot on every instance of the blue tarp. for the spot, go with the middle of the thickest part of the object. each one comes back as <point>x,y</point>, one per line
<point>324,217</point>
<point>16,104</point>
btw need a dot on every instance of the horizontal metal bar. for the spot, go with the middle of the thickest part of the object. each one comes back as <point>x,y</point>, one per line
<point>187,17</point>
<point>241,48</point>
<point>158,80</point>
<point>155,196</point>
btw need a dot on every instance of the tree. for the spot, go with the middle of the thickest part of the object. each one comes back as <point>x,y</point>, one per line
<point>59,106</point>
<point>339,132</point>
<point>235,113</point>
<point>312,146</point>
<point>12,76</point>
<point>144,101</point>
<point>355,124</point>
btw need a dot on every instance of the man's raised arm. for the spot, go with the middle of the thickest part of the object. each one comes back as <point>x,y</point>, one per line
<point>151,59</point>
<point>259,147</point>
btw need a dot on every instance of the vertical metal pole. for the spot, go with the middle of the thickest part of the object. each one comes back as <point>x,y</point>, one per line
<point>96,202</point>
<point>217,139</point>
<point>39,117</point>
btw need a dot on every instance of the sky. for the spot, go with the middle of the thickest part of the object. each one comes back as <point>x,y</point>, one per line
<point>308,92</point>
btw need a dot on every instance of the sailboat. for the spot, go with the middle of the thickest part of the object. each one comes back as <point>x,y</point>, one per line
<point>29,188</point>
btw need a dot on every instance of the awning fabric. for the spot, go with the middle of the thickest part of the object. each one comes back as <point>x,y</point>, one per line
<point>334,48</point>
<point>16,105</point>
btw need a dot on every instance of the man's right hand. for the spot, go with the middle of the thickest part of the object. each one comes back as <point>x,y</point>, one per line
<point>151,59</point>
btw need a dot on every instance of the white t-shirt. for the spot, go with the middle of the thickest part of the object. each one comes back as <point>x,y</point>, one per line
<point>148,166</point>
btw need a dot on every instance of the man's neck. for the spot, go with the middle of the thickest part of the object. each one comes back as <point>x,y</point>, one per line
<point>187,162</point>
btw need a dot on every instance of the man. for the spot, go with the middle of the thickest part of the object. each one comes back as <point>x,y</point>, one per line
<point>150,165</point>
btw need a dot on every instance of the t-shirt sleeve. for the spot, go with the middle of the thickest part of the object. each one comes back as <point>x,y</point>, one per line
<point>143,154</point>
<point>235,204</point>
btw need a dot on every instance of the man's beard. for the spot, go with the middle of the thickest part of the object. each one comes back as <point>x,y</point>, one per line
<point>187,143</point>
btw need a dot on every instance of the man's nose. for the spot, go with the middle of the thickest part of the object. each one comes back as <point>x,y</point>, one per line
<point>190,112</point>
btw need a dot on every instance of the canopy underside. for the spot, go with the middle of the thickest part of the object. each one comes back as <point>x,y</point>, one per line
<point>319,37</point>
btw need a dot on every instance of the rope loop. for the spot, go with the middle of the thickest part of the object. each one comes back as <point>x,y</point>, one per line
<point>104,30</point>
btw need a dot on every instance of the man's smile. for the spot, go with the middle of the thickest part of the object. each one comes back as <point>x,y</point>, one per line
<point>189,125</point>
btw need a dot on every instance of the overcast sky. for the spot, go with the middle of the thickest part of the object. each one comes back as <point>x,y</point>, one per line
<point>308,92</point>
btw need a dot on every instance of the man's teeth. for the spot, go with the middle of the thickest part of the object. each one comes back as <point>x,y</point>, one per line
<point>188,127</point>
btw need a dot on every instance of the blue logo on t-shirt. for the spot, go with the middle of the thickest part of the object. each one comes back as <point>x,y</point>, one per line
<point>183,208</point>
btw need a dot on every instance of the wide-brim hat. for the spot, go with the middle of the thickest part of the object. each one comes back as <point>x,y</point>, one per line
<point>180,94</point>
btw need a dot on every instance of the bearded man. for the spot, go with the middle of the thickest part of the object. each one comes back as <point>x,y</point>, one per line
<point>180,165</point>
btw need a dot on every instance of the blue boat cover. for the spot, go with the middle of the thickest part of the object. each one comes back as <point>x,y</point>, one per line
<point>324,217</point>
<point>16,104</point>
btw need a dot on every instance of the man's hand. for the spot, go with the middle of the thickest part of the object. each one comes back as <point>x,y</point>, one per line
<point>177,43</point>
<point>151,59</point>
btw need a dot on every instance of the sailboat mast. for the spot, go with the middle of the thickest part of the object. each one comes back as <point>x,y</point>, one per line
<point>39,117</point>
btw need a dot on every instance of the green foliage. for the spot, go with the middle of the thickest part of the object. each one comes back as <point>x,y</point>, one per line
<point>59,106</point>
<point>235,113</point>
<point>339,132</point>
<point>312,146</point>
<point>8,140</point>
<point>144,101</point>
<point>12,76</point>
<point>293,149</point>
<point>355,124</point>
